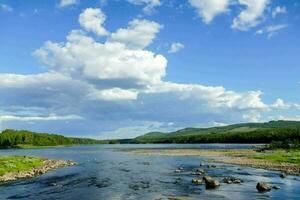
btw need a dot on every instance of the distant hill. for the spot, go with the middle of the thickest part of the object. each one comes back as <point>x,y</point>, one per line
<point>24,138</point>
<point>237,133</point>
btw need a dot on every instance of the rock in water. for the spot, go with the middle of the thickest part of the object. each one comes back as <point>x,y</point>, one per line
<point>200,171</point>
<point>276,187</point>
<point>206,178</point>
<point>263,187</point>
<point>230,180</point>
<point>282,175</point>
<point>210,183</point>
<point>197,181</point>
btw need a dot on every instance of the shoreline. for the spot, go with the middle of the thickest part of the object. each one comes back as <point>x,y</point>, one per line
<point>47,165</point>
<point>242,157</point>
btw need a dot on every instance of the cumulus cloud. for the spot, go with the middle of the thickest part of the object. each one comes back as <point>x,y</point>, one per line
<point>106,83</point>
<point>175,47</point>
<point>251,15</point>
<point>67,3</point>
<point>6,8</point>
<point>92,19</point>
<point>150,5</point>
<point>138,35</point>
<point>278,10</point>
<point>81,56</point>
<point>209,9</point>
<point>271,30</point>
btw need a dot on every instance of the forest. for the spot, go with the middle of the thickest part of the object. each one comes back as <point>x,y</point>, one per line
<point>19,138</point>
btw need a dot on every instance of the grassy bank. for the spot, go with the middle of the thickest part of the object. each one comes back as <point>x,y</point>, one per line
<point>281,156</point>
<point>18,163</point>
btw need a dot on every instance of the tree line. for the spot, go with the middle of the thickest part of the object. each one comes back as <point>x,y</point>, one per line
<point>255,136</point>
<point>12,138</point>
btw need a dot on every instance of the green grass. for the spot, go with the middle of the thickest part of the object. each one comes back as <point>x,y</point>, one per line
<point>282,156</point>
<point>18,163</point>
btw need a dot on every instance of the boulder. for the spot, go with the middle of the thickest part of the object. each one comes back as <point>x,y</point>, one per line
<point>210,183</point>
<point>263,187</point>
<point>206,178</point>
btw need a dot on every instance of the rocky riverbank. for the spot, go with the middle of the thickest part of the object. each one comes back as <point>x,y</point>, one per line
<point>287,168</point>
<point>243,157</point>
<point>46,166</point>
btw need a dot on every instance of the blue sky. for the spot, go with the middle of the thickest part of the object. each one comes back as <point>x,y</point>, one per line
<point>116,69</point>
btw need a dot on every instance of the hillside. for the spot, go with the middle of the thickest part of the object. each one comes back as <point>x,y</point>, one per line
<point>237,133</point>
<point>23,138</point>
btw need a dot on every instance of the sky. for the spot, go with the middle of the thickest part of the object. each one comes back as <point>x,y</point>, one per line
<point>121,68</point>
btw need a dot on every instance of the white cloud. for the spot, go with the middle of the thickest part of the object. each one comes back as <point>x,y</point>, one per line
<point>280,104</point>
<point>252,116</point>
<point>83,56</point>
<point>109,82</point>
<point>271,30</point>
<point>175,47</point>
<point>278,10</point>
<point>138,35</point>
<point>4,118</point>
<point>288,118</point>
<point>6,8</point>
<point>113,94</point>
<point>251,15</point>
<point>92,19</point>
<point>150,5</point>
<point>67,3</point>
<point>209,9</point>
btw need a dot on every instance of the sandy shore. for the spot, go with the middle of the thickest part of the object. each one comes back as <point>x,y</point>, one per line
<point>227,156</point>
<point>47,165</point>
<point>193,152</point>
<point>287,168</point>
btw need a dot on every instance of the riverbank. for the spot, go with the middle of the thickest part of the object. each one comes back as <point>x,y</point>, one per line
<point>279,160</point>
<point>19,167</point>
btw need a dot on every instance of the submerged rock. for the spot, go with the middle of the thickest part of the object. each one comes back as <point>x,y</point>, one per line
<point>263,187</point>
<point>146,163</point>
<point>282,175</point>
<point>179,169</point>
<point>200,171</point>
<point>197,181</point>
<point>232,180</point>
<point>276,187</point>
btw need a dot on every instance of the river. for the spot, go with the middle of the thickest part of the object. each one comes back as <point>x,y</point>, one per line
<point>107,172</point>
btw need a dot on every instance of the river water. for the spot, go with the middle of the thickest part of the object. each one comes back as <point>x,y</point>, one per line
<point>107,172</point>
